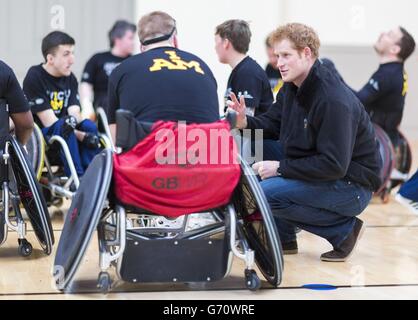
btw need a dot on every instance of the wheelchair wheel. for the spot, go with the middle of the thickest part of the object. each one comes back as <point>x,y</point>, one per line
<point>403,162</point>
<point>258,226</point>
<point>387,154</point>
<point>3,226</point>
<point>31,197</point>
<point>36,151</point>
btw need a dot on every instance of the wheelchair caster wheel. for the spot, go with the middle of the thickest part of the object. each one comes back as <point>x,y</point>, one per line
<point>104,282</point>
<point>252,280</point>
<point>25,248</point>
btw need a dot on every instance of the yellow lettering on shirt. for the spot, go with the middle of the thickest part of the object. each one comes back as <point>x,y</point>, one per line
<point>56,104</point>
<point>405,84</point>
<point>175,63</point>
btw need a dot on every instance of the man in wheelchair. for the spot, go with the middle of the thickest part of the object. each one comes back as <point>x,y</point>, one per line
<point>384,94</point>
<point>145,227</point>
<point>384,99</point>
<point>18,185</point>
<point>52,91</point>
<point>163,83</point>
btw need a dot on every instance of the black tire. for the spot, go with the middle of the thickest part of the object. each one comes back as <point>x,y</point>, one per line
<point>104,282</point>
<point>258,226</point>
<point>36,151</point>
<point>403,160</point>
<point>387,154</point>
<point>252,281</point>
<point>25,248</point>
<point>32,197</point>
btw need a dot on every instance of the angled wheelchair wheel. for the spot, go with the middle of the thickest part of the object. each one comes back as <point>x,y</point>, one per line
<point>82,218</point>
<point>258,226</point>
<point>3,227</point>
<point>388,160</point>
<point>403,160</point>
<point>31,197</point>
<point>36,151</point>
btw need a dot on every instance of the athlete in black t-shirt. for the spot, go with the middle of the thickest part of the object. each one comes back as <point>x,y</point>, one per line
<point>47,92</point>
<point>247,79</point>
<point>384,95</point>
<point>12,95</point>
<point>52,91</point>
<point>94,82</point>
<point>163,82</point>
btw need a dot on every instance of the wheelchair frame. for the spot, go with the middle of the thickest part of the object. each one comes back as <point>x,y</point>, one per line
<point>116,230</point>
<point>111,251</point>
<point>25,248</point>
<point>27,188</point>
<point>59,185</point>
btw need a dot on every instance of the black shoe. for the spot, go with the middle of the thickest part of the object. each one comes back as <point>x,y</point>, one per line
<point>346,249</point>
<point>290,247</point>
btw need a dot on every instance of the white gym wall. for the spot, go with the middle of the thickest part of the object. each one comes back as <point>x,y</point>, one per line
<point>347,30</point>
<point>196,22</point>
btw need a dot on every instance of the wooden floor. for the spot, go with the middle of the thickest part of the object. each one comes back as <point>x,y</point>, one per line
<point>384,266</point>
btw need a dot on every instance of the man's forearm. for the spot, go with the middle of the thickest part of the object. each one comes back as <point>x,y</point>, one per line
<point>75,112</point>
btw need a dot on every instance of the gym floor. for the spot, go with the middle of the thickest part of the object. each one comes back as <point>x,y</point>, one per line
<point>384,266</point>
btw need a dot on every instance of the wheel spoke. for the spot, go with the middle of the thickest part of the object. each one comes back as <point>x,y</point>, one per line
<point>256,233</point>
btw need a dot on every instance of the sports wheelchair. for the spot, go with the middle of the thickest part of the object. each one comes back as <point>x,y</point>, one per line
<point>44,157</point>
<point>399,158</point>
<point>19,187</point>
<point>194,235</point>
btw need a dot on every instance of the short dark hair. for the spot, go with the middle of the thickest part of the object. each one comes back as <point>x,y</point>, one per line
<point>53,40</point>
<point>236,31</point>
<point>407,45</point>
<point>119,29</point>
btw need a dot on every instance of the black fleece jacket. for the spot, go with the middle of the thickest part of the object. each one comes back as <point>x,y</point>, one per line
<point>325,131</point>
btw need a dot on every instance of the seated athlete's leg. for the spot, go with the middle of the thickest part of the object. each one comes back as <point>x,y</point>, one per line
<point>88,126</point>
<point>325,209</point>
<point>71,140</point>
<point>88,152</point>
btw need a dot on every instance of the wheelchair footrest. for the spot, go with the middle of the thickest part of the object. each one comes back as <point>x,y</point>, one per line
<point>163,260</point>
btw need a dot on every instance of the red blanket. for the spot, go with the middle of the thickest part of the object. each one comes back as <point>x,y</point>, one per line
<point>179,169</point>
